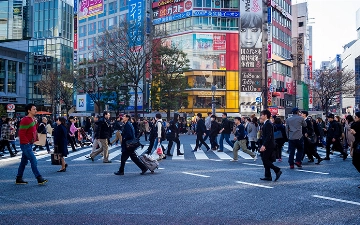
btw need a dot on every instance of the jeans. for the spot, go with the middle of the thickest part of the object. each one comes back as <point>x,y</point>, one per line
<point>227,139</point>
<point>299,145</point>
<point>156,144</point>
<point>27,154</point>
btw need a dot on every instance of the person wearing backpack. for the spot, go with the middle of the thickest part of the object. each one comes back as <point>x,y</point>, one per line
<point>240,141</point>
<point>160,132</point>
<point>226,128</point>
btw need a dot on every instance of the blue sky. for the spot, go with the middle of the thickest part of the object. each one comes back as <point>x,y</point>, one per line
<point>334,26</point>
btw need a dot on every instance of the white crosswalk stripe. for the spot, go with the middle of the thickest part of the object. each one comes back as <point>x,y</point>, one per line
<point>199,154</point>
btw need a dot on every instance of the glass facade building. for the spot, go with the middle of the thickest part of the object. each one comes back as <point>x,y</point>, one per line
<point>51,48</point>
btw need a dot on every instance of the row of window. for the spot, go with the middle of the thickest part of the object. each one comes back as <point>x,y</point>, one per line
<point>280,51</point>
<point>217,4</point>
<point>281,69</point>
<point>10,79</point>
<point>281,36</point>
<point>282,20</point>
<point>283,4</point>
<point>102,25</point>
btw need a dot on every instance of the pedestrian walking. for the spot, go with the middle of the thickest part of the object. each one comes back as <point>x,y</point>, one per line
<point>226,128</point>
<point>12,135</point>
<point>117,127</point>
<point>129,134</point>
<point>71,128</point>
<point>42,130</point>
<point>207,125</point>
<point>200,131</point>
<point>172,135</point>
<point>5,136</point>
<point>281,139</point>
<point>60,142</point>
<point>27,136</point>
<point>104,132</point>
<point>349,137</point>
<point>159,131</point>
<point>240,141</point>
<point>267,149</point>
<point>214,131</point>
<point>293,128</point>
<point>333,136</point>
<point>252,133</point>
<point>355,150</point>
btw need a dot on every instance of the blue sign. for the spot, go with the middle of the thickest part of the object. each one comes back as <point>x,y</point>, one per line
<point>216,13</point>
<point>75,7</point>
<point>269,15</point>
<point>178,16</point>
<point>136,20</point>
<point>258,99</point>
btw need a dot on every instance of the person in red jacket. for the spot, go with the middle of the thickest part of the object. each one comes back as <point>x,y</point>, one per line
<point>27,136</point>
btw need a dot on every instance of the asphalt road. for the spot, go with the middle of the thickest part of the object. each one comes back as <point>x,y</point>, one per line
<point>200,188</point>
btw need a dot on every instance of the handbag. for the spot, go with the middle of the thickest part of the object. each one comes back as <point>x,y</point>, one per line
<point>159,150</point>
<point>56,156</point>
<point>312,139</point>
<point>278,134</point>
<point>133,144</point>
<point>42,139</point>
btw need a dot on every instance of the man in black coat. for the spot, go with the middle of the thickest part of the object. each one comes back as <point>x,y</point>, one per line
<point>104,132</point>
<point>268,147</point>
<point>226,129</point>
<point>129,134</point>
<point>200,131</point>
<point>214,131</point>
<point>172,135</point>
<point>333,135</point>
<point>309,134</point>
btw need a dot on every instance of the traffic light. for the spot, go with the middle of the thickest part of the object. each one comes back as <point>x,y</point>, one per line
<point>281,89</point>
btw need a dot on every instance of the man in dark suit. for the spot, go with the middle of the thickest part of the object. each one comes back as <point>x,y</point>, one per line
<point>129,134</point>
<point>200,131</point>
<point>268,147</point>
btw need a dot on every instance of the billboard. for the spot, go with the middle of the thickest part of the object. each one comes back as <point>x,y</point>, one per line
<point>90,8</point>
<point>136,19</point>
<point>251,45</point>
<point>84,103</point>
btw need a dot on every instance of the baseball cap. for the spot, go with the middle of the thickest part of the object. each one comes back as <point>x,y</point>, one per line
<point>330,116</point>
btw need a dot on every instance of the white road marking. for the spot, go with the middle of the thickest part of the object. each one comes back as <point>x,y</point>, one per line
<point>199,154</point>
<point>336,199</point>
<point>251,184</point>
<point>309,171</point>
<point>77,152</point>
<point>252,164</point>
<point>194,174</point>
<point>222,155</point>
<point>178,157</point>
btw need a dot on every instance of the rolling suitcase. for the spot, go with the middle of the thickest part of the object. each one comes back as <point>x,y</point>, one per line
<point>149,162</point>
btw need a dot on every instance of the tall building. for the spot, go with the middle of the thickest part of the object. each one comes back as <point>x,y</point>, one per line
<point>51,45</point>
<point>208,31</point>
<point>302,49</point>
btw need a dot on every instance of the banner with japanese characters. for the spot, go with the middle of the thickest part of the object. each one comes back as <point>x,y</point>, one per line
<point>251,46</point>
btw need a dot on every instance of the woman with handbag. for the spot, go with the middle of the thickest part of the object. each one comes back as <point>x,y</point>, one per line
<point>128,136</point>
<point>355,148</point>
<point>60,142</point>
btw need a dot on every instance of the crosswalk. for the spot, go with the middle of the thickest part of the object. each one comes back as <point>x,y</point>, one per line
<point>115,153</point>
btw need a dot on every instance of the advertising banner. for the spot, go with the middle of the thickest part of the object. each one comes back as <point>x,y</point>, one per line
<point>269,98</point>
<point>310,99</point>
<point>81,103</point>
<point>219,42</point>
<point>136,19</point>
<point>75,32</point>
<point>251,47</point>
<point>75,7</point>
<point>132,101</point>
<point>216,13</point>
<point>90,8</point>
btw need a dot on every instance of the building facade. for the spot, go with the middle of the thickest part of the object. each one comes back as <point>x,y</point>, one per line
<point>51,46</point>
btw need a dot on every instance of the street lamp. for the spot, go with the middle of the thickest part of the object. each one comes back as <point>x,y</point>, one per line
<point>213,105</point>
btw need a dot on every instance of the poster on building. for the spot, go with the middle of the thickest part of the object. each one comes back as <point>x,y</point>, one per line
<point>90,8</point>
<point>251,46</point>
<point>219,41</point>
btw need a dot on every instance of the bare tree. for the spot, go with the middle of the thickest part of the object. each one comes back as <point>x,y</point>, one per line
<point>329,84</point>
<point>59,88</point>
<point>129,49</point>
<point>169,82</point>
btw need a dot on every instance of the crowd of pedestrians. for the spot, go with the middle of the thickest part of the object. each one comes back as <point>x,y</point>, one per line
<point>262,137</point>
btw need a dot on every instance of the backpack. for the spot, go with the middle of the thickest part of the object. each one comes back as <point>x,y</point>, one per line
<point>163,131</point>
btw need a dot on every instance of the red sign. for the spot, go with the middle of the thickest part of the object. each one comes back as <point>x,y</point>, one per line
<point>75,42</point>
<point>219,41</point>
<point>269,102</point>
<point>269,52</point>
<point>274,110</point>
<point>310,67</point>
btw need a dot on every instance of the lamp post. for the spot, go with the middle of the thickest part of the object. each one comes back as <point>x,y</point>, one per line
<point>266,89</point>
<point>213,105</point>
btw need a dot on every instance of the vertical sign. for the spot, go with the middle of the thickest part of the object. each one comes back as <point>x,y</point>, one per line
<point>75,32</point>
<point>310,82</point>
<point>269,55</point>
<point>136,21</point>
<point>300,48</point>
<point>75,7</point>
<point>310,99</point>
<point>269,98</point>
<point>251,45</point>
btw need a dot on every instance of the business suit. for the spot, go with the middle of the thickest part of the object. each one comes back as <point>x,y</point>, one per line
<point>268,156</point>
<point>200,130</point>
<point>129,134</point>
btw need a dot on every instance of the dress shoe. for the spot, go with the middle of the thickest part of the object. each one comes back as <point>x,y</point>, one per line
<point>298,164</point>
<point>13,155</point>
<point>62,170</point>
<point>219,150</point>
<point>169,154</point>
<point>359,186</point>
<point>179,153</point>
<point>107,161</point>
<point>119,173</point>
<point>143,171</point>
<point>292,167</point>
<point>345,156</point>
<point>233,160</point>
<point>266,178</point>
<point>326,158</point>
<point>319,161</point>
<point>278,174</point>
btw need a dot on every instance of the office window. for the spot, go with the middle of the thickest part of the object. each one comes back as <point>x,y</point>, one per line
<point>112,7</point>
<point>92,28</point>
<point>2,75</point>
<point>11,76</point>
